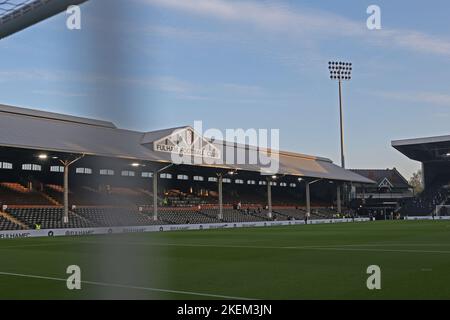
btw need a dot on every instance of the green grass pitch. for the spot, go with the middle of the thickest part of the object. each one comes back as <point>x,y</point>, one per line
<point>294,262</point>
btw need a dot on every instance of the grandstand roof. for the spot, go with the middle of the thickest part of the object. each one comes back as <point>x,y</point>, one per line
<point>425,149</point>
<point>16,15</point>
<point>54,116</point>
<point>394,178</point>
<point>37,130</point>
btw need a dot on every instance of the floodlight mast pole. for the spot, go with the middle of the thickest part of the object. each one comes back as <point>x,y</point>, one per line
<point>340,71</point>
<point>341,120</point>
<point>341,116</point>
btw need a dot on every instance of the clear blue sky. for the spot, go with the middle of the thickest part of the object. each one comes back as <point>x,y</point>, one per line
<point>151,64</point>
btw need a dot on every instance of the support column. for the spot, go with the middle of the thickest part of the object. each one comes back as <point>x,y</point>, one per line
<point>66,194</point>
<point>269,199</point>
<point>220,186</point>
<point>308,199</point>
<point>155,195</point>
<point>338,199</point>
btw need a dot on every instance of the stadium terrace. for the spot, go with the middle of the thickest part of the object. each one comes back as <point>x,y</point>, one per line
<point>61,171</point>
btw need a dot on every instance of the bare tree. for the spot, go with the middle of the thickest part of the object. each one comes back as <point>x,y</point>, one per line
<point>416,182</point>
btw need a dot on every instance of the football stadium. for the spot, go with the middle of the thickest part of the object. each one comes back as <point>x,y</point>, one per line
<point>57,195</point>
<point>90,210</point>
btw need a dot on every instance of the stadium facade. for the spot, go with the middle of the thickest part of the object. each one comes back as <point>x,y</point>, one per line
<point>384,197</point>
<point>55,159</point>
<point>434,155</point>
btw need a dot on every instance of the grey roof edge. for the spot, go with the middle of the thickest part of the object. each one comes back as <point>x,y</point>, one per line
<point>401,176</point>
<point>269,150</point>
<point>357,170</point>
<point>413,141</point>
<point>152,136</point>
<point>226,143</point>
<point>135,153</point>
<point>22,111</point>
<point>54,116</point>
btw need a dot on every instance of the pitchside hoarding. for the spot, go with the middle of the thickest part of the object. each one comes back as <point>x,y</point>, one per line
<point>159,228</point>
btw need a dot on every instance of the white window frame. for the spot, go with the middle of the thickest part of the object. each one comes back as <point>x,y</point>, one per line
<point>146,174</point>
<point>127,173</point>
<point>106,172</point>
<point>58,169</point>
<point>31,167</point>
<point>6,165</point>
<point>83,170</point>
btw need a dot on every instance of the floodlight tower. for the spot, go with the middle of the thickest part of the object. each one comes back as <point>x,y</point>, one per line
<point>340,71</point>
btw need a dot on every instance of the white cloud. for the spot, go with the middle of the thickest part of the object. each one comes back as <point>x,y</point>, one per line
<point>265,15</point>
<point>181,89</point>
<point>241,89</point>
<point>59,93</point>
<point>181,33</point>
<point>434,98</point>
<point>306,23</point>
<point>161,83</point>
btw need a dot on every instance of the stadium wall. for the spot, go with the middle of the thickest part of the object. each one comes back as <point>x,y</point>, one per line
<point>161,228</point>
<point>428,218</point>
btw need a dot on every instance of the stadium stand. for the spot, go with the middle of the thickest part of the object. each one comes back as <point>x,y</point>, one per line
<point>113,172</point>
<point>110,217</point>
<point>107,195</point>
<point>14,193</point>
<point>233,215</point>
<point>6,224</point>
<point>184,216</point>
<point>47,218</point>
<point>425,203</point>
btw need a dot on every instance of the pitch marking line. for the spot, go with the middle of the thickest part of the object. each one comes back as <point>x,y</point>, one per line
<point>348,247</point>
<point>325,247</point>
<point>115,285</point>
<point>34,245</point>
